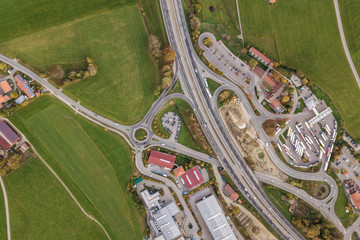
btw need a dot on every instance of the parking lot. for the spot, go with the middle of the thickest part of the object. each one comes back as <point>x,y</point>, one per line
<point>347,162</point>
<point>172,123</point>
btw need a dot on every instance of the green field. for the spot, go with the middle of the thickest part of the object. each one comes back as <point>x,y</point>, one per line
<point>94,164</point>
<point>213,85</point>
<point>303,34</point>
<point>350,17</point>
<point>274,195</point>
<point>3,233</point>
<point>40,207</point>
<point>110,32</point>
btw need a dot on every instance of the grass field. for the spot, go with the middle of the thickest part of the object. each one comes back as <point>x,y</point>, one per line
<point>3,233</point>
<point>94,164</point>
<point>110,32</point>
<point>213,85</point>
<point>350,17</point>
<point>303,34</point>
<point>40,207</point>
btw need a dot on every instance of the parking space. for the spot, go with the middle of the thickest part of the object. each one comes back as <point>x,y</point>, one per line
<point>172,123</point>
<point>348,167</point>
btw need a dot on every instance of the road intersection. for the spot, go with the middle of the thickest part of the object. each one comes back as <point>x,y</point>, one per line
<point>191,70</point>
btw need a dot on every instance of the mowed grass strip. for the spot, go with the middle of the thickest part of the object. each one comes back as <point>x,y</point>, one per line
<point>117,40</point>
<point>40,207</point>
<point>304,34</point>
<point>3,232</point>
<point>95,164</point>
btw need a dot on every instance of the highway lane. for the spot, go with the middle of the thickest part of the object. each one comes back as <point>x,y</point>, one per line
<point>259,199</point>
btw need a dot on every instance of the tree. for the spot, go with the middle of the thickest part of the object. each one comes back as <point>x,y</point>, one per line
<point>3,66</point>
<point>195,23</point>
<point>285,99</point>
<point>14,94</point>
<point>157,90</point>
<point>235,210</point>
<point>276,75</point>
<point>253,63</point>
<point>166,81</point>
<point>155,45</point>
<point>304,81</point>
<point>207,42</point>
<point>168,55</point>
<point>283,80</point>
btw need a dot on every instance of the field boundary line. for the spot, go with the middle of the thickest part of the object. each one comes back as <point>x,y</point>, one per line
<point>6,209</point>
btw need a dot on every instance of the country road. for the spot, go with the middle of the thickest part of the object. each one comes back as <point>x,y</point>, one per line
<point>6,209</point>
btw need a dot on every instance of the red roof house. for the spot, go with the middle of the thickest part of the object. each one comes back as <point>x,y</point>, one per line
<point>179,171</point>
<point>259,71</point>
<point>8,136</point>
<point>22,84</point>
<point>229,191</point>
<point>272,1</point>
<point>161,159</point>
<point>276,106</point>
<point>270,80</point>
<point>192,177</point>
<point>356,199</point>
<point>5,87</point>
<point>260,57</point>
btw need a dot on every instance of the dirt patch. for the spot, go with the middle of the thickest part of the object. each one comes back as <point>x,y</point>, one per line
<point>270,126</point>
<point>56,72</point>
<point>247,140</point>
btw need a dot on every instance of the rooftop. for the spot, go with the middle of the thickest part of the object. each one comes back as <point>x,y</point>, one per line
<point>270,80</point>
<point>230,192</point>
<point>356,199</point>
<point>5,87</point>
<point>161,159</point>
<point>259,71</point>
<point>7,135</point>
<point>164,223</point>
<point>179,171</point>
<point>214,218</point>
<point>150,200</point>
<point>192,177</point>
<point>260,55</point>
<point>23,85</point>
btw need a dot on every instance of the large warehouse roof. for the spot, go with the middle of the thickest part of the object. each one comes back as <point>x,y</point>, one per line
<point>162,159</point>
<point>215,219</point>
<point>164,223</point>
<point>7,136</point>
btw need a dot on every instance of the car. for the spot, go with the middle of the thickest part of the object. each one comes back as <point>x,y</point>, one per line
<point>337,163</point>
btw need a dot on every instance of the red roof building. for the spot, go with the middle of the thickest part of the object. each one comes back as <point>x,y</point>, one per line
<point>259,71</point>
<point>22,84</point>
<point>260,57</point>
<point>179,171</point>
<point>192,177</point>
<point>8,136</point>
<point>270,80</point>
<point>356,199</point>
<point>5,87</point>
<point>272,1</point>
<point>229,191</point>
<point>276,106</point>
<point>161,159</point>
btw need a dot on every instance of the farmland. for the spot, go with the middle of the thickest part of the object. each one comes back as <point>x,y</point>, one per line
<point>35,200</point>
<point>349,11</point>
<point>300,35</point>
<point>110,32</point>
<point>93,163</point>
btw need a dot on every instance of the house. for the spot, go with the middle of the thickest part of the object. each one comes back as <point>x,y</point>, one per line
<point>8,136</point>
<point>20,99</point>
<point>272,1</point>
<point>192,177</point>
<point>179,171</point>
<point>276,106</point>
<point>161,159</point>
<point>24,147</point>
<point>259,71</point>
<point>4,98</point>
<point>230,192</point>
<point>260,57</point>
<point>269,82</point>
<point>23,85</point>
<point>355,197</point>
<point>5,87</point>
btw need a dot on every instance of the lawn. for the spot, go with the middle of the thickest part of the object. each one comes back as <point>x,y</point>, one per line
<point>114,35</point>
<point>274,195</point>
<point>350,17</point>
<point>303,34</point>
<point>213,85</point>
<point>40,207</point>
<point>3,233</point>
<point>95,164</point>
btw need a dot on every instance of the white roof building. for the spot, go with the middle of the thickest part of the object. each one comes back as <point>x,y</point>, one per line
<point>215,219</point>
<point>150,200</point>
<point>163,223</point>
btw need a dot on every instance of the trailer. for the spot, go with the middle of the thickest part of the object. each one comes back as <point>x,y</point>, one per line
<point>208,92</point>
<point>278,145</point>
<point>322,143</point>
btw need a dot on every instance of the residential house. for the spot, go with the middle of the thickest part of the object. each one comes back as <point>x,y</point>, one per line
<point>261,57</point>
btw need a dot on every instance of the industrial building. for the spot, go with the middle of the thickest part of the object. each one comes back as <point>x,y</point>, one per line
<point>192,177</point>
<point>215,219</point>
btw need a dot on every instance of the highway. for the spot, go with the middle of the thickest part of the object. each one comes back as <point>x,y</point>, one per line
<point>189,69</point>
